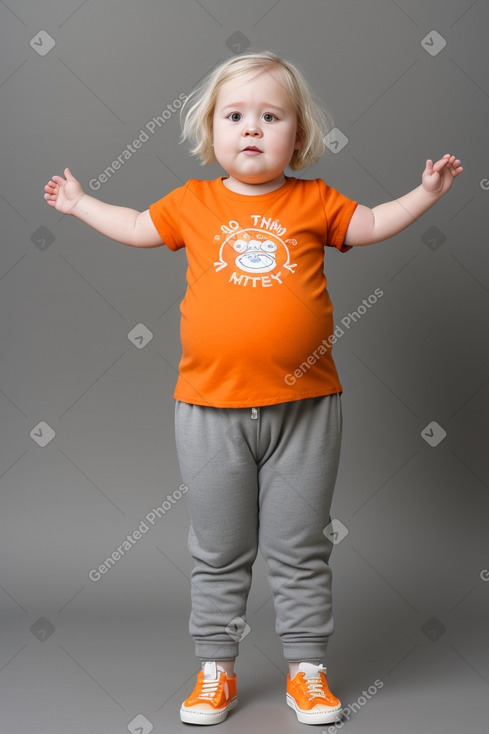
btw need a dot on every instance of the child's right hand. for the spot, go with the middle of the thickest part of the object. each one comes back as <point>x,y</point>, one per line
<point>63,194</point>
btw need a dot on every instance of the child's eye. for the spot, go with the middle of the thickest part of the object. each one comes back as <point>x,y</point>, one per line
<point>235,116</point>
<point>268,117</point>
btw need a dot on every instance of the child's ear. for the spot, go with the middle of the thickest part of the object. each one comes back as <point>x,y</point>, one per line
<point>299,139</point>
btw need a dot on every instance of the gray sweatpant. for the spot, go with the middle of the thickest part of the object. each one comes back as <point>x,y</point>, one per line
<point>260,478</point>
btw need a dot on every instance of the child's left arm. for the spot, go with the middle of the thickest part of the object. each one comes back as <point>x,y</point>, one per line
<point>368,226</point>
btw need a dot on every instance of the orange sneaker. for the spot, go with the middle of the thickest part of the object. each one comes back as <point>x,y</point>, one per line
<point>308,694</point>
<point>212,698</point>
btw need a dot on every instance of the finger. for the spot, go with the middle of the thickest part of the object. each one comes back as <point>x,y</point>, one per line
<point>69,175</point>
<point>440,164</point>
<point>455,165</point>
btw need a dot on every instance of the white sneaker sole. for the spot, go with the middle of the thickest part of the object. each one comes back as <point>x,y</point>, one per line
<point>191,716</point>
<point>314,717</point>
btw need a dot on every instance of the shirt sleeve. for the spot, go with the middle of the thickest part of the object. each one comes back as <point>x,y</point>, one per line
<point>166,217</point>
<point>338,211</point>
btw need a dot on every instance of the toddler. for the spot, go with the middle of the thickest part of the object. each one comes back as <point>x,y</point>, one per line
<point>258,450</point>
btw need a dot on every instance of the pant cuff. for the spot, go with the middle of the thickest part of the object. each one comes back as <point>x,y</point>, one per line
<point>216,650</point>
<point>304,652</point>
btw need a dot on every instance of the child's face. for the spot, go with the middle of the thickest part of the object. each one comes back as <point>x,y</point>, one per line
<point>255,127</point>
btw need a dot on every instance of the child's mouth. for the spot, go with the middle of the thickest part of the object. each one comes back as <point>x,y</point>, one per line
<point>251,150</point>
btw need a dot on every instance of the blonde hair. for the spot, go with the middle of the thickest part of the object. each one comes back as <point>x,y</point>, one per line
<point>198,110</point>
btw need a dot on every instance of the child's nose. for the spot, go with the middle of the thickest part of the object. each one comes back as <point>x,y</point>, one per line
<point>251,127</point>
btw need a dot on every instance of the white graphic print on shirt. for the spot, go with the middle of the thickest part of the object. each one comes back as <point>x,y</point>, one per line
<point>255,251</point>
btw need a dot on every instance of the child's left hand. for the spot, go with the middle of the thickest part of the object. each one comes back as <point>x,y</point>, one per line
<point>438,177</point>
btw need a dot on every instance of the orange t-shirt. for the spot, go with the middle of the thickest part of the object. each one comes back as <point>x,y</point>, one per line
<point>257,320</point>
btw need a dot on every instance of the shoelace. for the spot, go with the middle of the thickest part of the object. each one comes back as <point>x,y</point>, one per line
<point>315,686</point>
<point>209,688</point>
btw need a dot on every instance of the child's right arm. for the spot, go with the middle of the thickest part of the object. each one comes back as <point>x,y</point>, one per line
<point>127,226</point>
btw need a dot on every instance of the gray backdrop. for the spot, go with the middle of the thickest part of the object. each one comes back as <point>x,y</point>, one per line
<point>90,349</point>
